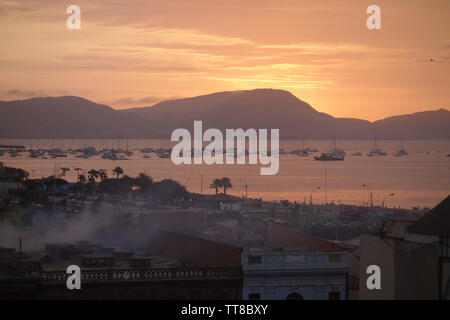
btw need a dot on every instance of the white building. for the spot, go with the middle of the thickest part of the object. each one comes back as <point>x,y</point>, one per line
<point>278,274</point>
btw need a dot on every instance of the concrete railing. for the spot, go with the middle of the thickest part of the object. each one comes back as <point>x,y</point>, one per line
<point>113,275</point>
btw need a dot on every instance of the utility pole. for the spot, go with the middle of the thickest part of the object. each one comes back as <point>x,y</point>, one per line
<point>20,254</point>
<point>326,185</point>
<point>201,184</point>
<point>246,191</point>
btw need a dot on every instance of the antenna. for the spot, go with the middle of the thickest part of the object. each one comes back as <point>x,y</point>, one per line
<point>326,185</point>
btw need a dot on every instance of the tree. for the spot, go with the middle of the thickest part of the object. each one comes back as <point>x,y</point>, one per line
<point>102,174</point>
<point>93,175</point>
<point>82,178</point>
<point>226,184</point>
<point>17,174</point>
<point>91,180</point>
<point>144,181</point>
<point>168,190</point>
<point>118,171</point>
<point>216,184</point>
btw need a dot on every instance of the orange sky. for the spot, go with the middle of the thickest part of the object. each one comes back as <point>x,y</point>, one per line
<point>138,52</point>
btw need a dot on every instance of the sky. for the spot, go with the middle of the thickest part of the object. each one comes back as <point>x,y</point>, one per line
<point>132,53</point>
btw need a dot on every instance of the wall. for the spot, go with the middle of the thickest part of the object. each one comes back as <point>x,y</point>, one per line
<point>374,250</point>
<point>201,252</point>
<point>408,270</point>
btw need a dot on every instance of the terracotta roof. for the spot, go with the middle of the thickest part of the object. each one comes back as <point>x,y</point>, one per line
<point>289,237</point>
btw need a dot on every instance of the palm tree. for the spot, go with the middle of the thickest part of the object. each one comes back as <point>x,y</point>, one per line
<point>216,184</point>
<point>144,181</point>
<point>102,174</point>
<point>81,178</point>
<point>226,184</point>
<point>118,171</point>
<point>93,174</point>
<point>91,180</point>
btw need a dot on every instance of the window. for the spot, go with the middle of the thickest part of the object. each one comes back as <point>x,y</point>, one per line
<point>334,258</point>
<point>254,296</point>
<point>254,259</point>
<point>334,295</point>
<point>294,296</point>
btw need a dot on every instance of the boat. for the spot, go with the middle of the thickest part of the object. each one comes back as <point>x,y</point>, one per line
<point>329,157</point>
<point>338,153</point>
<point>303,153</point>
<point>376,152</point>
<point>401,153</point>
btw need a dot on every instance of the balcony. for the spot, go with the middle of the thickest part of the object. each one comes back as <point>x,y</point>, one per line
<point>167,274</point>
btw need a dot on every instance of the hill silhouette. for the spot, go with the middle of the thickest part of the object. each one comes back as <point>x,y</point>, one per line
<point>74,117</point>
<point>66,117</point>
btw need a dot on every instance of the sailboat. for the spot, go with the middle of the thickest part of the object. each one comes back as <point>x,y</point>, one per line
<point>376,151</point>
<point>401,152</point>
<point>335,155</point>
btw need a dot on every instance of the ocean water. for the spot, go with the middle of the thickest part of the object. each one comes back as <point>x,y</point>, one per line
<point>421,178</point>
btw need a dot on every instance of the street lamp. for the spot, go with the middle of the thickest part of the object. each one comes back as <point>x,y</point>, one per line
<point>246,187</point>
<point>310,196</point>
<point>370,202</point>
<point>390,195</point>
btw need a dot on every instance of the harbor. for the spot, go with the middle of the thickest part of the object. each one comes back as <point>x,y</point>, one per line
<point>419,178</point>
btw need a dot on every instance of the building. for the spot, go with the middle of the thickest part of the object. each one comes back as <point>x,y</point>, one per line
<point>217,202</point>
<point>195,248</point>
<point>413,257</point>
<point>294,274</point>
<point>294,265</point>
<point>113,274</point>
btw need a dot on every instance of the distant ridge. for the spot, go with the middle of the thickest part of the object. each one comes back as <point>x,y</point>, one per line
<point>75,117</point>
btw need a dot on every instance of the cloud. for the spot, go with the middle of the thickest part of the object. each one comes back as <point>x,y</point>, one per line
<point>144,101</point>
<point>25,93</point>
<point>321,52</point>
<point>19,93</point>
<point>134,101</point>
<point>7,7</point>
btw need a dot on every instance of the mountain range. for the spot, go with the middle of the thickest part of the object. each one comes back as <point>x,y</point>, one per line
<point>75,117</point>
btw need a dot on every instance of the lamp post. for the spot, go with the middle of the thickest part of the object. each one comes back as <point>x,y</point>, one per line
<point>390,195</point>
<point>370,202</point>
<point>246,187</point>
<point>310,196</point>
